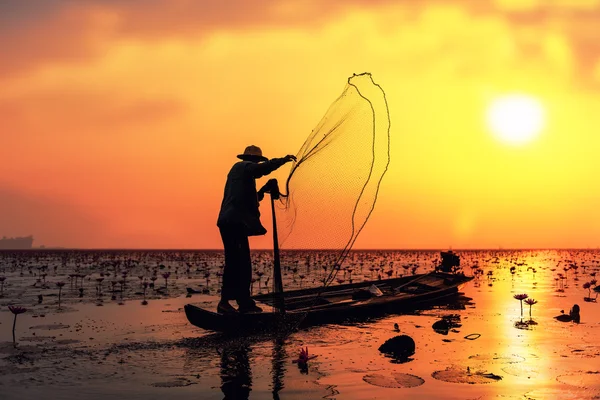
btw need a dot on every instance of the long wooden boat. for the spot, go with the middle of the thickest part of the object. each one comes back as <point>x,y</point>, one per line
<point>333,304</point>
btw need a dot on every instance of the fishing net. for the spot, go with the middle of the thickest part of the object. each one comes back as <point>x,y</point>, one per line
<point>332,188</point>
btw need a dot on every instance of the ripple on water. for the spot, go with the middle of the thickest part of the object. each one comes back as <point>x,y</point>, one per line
<point>522,371</point>
<point>456,374</point>
<point>498,358</point>
<point>50,327</point>
<point>583,379</point>
<point>177,382</point>
<point>585,350</point>
<point>395,380</point>
<point>562,394</point>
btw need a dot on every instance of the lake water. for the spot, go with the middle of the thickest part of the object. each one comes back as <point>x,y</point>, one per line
<point>104,343</point>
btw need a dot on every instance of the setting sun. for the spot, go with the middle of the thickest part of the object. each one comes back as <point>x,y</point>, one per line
<point>515,119</point>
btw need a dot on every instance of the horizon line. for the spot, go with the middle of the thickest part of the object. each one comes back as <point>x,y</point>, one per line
<point>307,249</point>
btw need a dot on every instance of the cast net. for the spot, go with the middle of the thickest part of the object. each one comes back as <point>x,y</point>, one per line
<point>332,188</point>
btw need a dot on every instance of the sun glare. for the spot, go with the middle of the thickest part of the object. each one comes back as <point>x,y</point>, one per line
<point>516,119</point>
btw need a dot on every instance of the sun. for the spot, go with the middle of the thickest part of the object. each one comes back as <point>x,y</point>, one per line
<point>516,119</point>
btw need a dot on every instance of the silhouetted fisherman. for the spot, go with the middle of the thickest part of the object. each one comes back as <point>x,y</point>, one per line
<point>239,218</point>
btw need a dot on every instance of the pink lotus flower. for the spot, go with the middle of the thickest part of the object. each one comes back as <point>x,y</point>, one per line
<point>530,302</point>
<point>304,357</point>
<point>166,275</point>
<point>588,286</point>
<point>60,286</point>
<point>16,310</point>
<point>521,297</point>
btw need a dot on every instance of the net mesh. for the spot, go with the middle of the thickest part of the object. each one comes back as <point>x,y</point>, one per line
<point>333,186</point>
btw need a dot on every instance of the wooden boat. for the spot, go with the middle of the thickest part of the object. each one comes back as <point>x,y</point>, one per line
<point>306,307</point>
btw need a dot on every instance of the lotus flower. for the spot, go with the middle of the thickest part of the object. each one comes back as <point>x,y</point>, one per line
<point>60,286</point>
<point>166,276</point>
<point>530,302</point>
<point>304,357</point>
<point>588,286</point>
<point>16,310</point>
<point>521,297</point>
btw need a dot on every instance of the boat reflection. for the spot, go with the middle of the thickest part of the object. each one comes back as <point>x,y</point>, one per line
<point>236,374</point>
<point>239,368</point>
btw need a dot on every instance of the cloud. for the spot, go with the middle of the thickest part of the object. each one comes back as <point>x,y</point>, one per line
<point>45,32</point>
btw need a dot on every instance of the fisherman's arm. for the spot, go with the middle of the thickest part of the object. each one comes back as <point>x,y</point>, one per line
<point>259,170</point>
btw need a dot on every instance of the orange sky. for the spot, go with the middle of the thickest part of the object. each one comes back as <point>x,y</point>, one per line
<point>120,119</point>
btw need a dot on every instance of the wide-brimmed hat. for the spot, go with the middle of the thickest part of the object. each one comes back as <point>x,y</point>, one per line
<point>252,153</point>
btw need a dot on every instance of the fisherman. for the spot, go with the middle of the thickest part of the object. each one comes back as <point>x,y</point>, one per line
<point>238,219</point>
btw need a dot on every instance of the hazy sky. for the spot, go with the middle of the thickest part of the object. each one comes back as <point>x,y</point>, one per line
<point>120,119</point>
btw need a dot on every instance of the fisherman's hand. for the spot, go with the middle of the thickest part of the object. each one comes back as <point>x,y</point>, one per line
<point>289,158</point>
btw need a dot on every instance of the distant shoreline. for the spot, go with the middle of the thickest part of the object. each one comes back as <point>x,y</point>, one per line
<point>267,249</point>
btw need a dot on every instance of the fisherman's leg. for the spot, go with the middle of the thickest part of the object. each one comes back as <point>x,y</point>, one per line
<point>231,270</point>
<point>245,278</point>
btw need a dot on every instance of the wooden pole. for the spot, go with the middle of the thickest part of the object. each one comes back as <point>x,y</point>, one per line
<point>277,281</point>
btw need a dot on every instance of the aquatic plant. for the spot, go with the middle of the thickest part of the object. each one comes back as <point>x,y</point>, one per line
<point>561,286</point>
<point>122,284</point>
<point>16,310</point>
<point>166,275</point>
<point>303,357</point>
<point>60,286</point>
<point>588,286</point>
<point>530,302</point>
<point>113,283</point>
<point>207,277</point>
<point>260,275</point>
<point>521,297</point>
<point>99,286</point>
<point>145,286</point>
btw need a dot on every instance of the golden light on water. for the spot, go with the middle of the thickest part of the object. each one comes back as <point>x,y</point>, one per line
<point>516,119</point>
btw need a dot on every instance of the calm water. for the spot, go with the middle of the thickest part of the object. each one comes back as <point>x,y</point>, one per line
<point>103,342</point>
